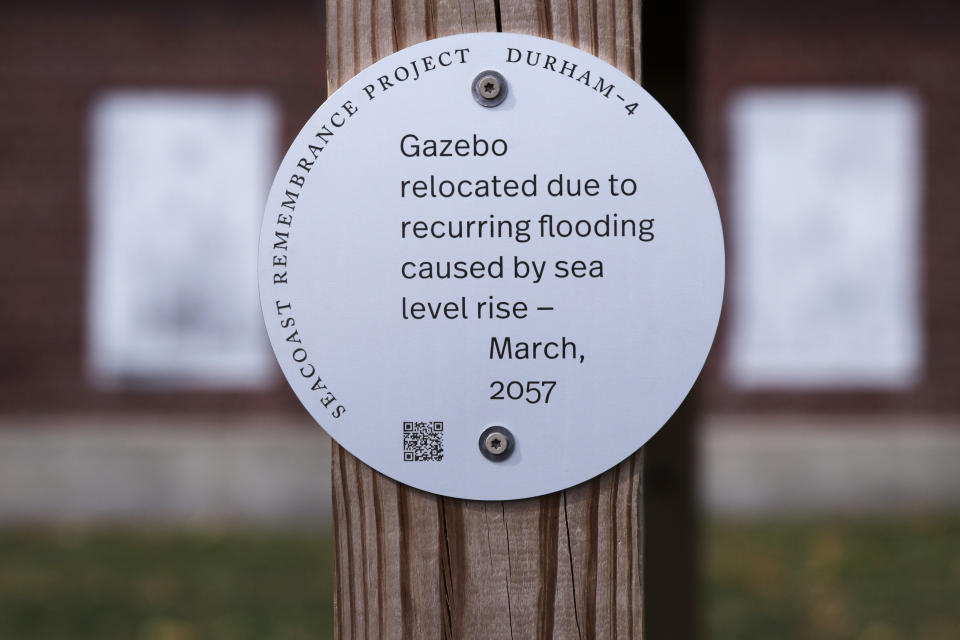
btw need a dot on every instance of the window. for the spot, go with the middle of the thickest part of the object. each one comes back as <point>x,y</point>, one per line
<point>177,186</point>
<point>825,230</point>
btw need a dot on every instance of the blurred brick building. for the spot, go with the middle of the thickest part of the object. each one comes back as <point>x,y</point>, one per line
<point>848,46</point>
<point>758,67</point>
<point>56,60</point>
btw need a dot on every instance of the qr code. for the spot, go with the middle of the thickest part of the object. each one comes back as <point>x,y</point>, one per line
<point>423,441</point>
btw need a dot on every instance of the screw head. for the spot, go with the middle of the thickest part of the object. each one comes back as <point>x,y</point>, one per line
<point>489,88</point>
<point>496,443</point>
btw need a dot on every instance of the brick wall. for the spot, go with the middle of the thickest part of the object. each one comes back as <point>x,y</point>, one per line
<point>841,44</point>
<point>54,58</point>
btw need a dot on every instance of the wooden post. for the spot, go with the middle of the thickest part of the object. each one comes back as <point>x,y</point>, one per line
<point>419,566</point>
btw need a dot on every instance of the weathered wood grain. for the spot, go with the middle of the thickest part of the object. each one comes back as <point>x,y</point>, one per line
<point>417,566</point>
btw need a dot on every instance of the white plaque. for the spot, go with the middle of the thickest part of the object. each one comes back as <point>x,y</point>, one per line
<point>432,267</point>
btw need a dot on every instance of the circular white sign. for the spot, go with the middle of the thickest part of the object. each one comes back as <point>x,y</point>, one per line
<point>434,270</point>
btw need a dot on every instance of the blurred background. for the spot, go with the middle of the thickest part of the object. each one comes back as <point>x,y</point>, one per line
<point>158,480</point>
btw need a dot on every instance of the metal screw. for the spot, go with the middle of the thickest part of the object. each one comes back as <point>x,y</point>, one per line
<point>489,88</point>
<point>496,443</point>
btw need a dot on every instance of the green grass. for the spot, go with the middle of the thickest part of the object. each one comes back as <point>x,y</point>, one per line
<point>880,580</point>
<point>165,586</point>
